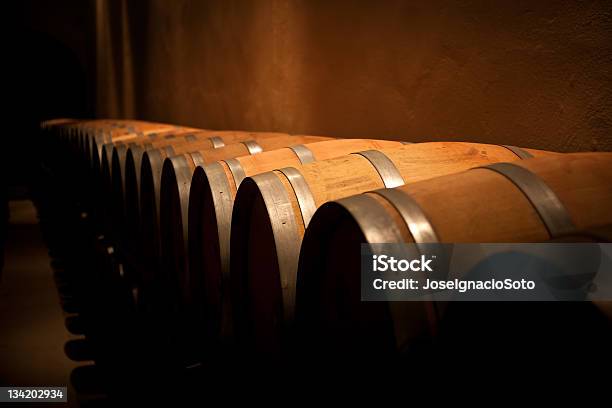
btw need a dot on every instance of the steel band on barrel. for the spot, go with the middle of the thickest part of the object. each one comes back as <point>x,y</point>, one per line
<point>286,239</point>
<point>302,193</point>
<point>303,153</point>
<point>222,202</point>
<point>389,174</point>
<point>217,142</point>
<point>372,218</point>
<point>237,171</point>
<point>156,162</point>
<point>378,226</point>
<point>543,199</point>
<point>107,156</point>
<point>198,159</point>
<point>183,173</point>
<point>417,222</point>
<point>522,154</point>
<point>169,150</point>
<point>252,147</point>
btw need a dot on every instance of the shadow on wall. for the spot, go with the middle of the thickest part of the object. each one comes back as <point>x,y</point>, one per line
<point>534,75</point>
<point>50,77</point>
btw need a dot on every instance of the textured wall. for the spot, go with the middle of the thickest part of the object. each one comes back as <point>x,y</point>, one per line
<point>535,74</point>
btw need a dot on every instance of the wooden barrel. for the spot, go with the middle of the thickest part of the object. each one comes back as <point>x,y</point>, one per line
<point>272,210</point>
<point>174,144</point>
<point>74,134</point>
<point>150,179</point>
<point>134,155</point>
<point>94,134</point>
<point>90,126</point>
<point>199,141</point>
<point>152,140</point>
<point>96,146</point>
<point>526,201</point>
<point>57,128</point>
<point>74,137</point>
<point>102,178</point>
<point>201,206</point>
<point>55,133</point>
<point>97,138</point>
<point>114,154</point>
<point>133,166</point>
<point>57,122</point>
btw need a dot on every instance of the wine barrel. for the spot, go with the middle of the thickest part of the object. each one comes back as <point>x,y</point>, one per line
<point>114,154</point>
<point>150,179</point>
<point>197,211</point>
<point>115,132</point>
<point>134,156</point>
<point>272,210</point>
<point>57,122</point>
<point>202,140</point>
<point>155,140</point>
<point>152,140</point>
<point>90,126</point>
<point>55,133</point>
<point>96,146</point>
<point>69,136</point>
<point>133,166</point>
<point>103,177</point>
<point>75,137</point>
<point>75,134</point>
<point>104,130</point>
<point>53,127</point>
<point>526,201</point>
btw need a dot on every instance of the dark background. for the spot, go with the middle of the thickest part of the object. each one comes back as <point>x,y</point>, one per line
<point>533,74</point>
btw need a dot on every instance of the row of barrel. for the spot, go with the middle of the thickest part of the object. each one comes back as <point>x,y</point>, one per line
<point>250,241</point>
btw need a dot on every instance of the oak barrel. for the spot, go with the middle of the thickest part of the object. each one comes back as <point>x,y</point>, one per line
<point>202,219</point>
<point>533,200</point>
<point>171,146</point>
<point>149,198</point>
<point>128,155</point>
<point>272,210</point>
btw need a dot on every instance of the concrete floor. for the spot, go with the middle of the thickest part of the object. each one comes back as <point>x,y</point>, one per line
<point>32,323</point>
